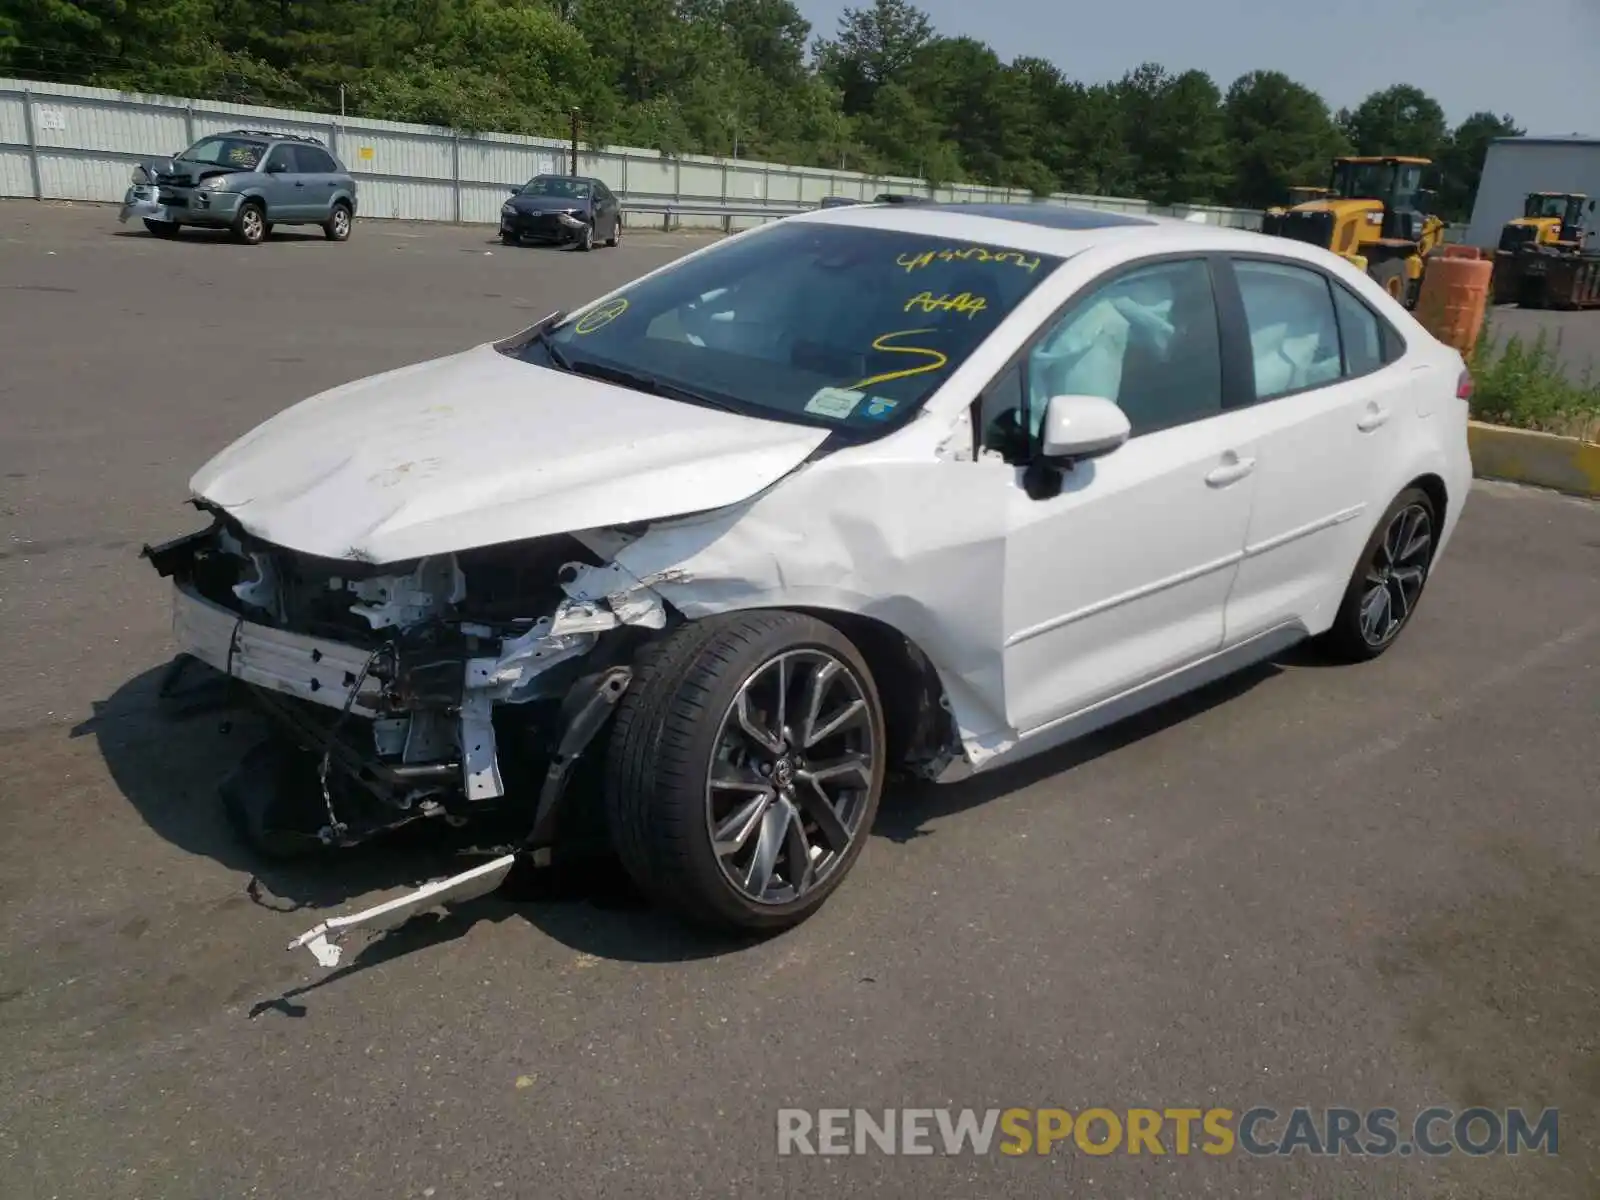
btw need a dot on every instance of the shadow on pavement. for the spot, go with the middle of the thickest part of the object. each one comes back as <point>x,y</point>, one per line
<point>168,754</point>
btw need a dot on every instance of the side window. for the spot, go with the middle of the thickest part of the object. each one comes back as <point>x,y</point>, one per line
<point>1147,340</point>
<point>1360,332</point>
<point>1294,336</point>
<point>314,161</point>
<point>602,193</point>
<point>281,159</point>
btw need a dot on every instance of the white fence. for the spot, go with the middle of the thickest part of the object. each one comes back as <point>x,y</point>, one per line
<point>78,143</point>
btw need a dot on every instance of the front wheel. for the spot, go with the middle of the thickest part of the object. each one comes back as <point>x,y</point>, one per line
<point>586,239</point>
<point>161,229</point>
<point>616,232</point>
<point>250,224</point>
<point>1387,585</point>
<point>745,768</point>
<point>1390,275</point>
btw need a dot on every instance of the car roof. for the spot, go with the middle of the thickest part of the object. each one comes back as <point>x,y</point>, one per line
<point>1061,230</point>
<point>270,135</point>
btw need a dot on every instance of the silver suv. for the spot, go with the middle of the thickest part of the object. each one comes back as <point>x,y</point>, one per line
<point>245,180</point>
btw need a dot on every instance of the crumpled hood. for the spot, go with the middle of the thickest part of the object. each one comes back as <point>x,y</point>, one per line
<point>477,449</point>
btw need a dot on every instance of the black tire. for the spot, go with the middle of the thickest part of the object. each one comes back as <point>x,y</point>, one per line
<point>616,233</point>
<point>250,223</point>
<point>1350,637</point>
<point>658,760</point>
<point>162,229</point>
<point>510,239</point>
<point>339,223</point>
<point>1390,275</point>
<point>586,239</point>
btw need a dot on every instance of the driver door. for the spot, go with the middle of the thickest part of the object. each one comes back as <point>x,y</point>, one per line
<point>1123,575</point>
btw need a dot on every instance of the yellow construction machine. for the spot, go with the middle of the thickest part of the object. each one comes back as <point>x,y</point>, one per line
<point>1300,193</point>
<point>1374,214</point>
<point>1554,219</point>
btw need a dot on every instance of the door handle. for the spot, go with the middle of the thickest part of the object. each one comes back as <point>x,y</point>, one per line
<point>1372,418</point>
<point>1231,472</point>
<point>298,183</point>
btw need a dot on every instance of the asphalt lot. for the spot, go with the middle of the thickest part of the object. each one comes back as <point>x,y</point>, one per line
<point>1333,887</point>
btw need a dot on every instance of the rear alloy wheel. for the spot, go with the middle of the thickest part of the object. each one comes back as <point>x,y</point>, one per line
<point>337,226</point>
<point>1388,583</point>
<point>745,769</point>
<point>161,229</point>
<point>616,233</point>
<point>250,225</point>
<point>586,238</point>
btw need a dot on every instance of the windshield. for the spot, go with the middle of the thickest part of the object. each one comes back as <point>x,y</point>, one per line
<point>225,152</point>
<point>1546,206</point>
<point>551,185</point>
<point>1361,181</point>
<point>818,324</point>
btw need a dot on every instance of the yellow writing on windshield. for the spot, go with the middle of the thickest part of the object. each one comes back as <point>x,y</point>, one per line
<point>602,316</point>
<point>914,262</point>
<point>965,303</point>
<point>880,343</point>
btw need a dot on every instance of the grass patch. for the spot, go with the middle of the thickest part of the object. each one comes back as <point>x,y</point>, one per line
<point>1523,384</point>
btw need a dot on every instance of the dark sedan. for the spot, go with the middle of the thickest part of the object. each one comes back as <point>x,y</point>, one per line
<point>561,210</point>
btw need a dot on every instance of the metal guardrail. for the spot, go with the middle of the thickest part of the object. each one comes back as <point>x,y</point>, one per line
<point>669,208</point>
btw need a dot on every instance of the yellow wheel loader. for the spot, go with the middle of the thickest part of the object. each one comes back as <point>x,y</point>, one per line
<point>1375,215</point>
<point>1553,219</point>
<point>1300,193</point>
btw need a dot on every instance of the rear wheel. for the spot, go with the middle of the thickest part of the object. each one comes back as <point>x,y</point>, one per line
<point>161,229</point>
<point>250,224</point>
<point>337,227</point>
<point>616,232</point>
<point>586,238</point>
<point>1387,585</point>
<point>745,768</point>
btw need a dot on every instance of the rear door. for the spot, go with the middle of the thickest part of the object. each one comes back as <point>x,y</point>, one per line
<point>320,177</point>
<point>1330,404</point>
<point>608,212</point>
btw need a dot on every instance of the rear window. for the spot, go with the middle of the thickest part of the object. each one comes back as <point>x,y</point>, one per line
<point>820,324</point>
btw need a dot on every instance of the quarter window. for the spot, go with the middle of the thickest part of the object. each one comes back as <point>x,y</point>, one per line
<point>1147,340</point>
<point>1294,334</point>
<point>1360,333</point>
<point>314,161</point>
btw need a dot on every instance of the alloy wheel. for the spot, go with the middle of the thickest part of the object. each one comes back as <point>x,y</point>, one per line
<point>790,776</point>
<point>252,225</point>
<point>341,223</point>
<point>1395,576</point>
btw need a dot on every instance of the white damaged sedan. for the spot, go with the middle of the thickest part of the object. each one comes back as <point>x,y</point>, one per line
<point>871,489</point>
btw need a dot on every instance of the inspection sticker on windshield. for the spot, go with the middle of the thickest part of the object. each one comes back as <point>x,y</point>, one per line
<point>834,402</point>
<point>878,408</point>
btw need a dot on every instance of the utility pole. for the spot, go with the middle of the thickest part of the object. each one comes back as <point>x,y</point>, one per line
<point>574,140</point>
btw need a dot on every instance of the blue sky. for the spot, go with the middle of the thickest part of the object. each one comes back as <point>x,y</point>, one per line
<point>1534,59</point>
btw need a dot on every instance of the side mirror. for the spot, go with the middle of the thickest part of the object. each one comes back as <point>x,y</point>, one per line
<point>514,189</point>
<point>1077,427</point>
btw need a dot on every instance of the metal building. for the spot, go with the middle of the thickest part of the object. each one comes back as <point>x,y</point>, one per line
<point>1516,166</point>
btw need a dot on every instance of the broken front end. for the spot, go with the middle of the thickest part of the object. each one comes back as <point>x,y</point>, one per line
<point>452,688</point>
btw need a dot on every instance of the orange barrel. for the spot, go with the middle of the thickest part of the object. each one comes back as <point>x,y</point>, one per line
<point>1454,299</point>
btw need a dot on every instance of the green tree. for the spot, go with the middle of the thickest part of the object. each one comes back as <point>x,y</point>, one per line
<point>1399,120</point>
<point>872,47</point>
<point>1280,133</point>
<point>1461,161</point>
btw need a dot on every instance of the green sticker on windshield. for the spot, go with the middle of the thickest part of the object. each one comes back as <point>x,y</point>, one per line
<point>834,402</point>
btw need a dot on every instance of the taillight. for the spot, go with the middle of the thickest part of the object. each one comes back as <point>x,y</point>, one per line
<point>1464,386</point>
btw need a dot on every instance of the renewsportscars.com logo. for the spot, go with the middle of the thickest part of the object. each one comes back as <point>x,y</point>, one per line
<point>1258,1132</point>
